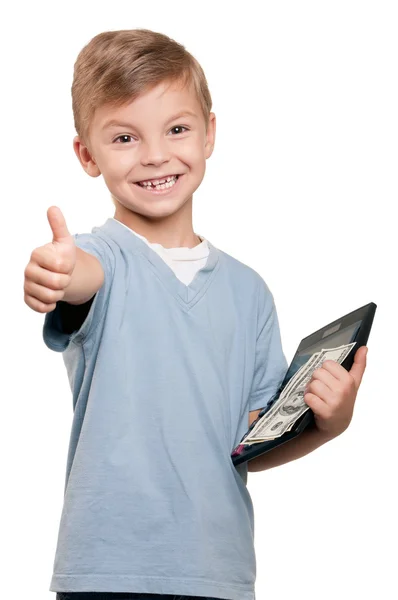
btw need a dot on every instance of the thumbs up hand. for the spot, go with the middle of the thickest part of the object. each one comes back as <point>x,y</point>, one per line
<point>50,269</point>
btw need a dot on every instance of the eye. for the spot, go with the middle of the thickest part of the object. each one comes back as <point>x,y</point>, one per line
<point>125,135</point>
<point>180,127</point>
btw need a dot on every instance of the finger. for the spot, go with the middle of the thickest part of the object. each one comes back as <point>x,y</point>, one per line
<point>335,369</point>
<point>38,306</point>
<point>58,225</point>
<point>334,383</point>
<point>45,277</point>
<point>46,257</point>
<point>42,293</point>
<point>318,406</point>
<point>320,389</point>
<point>327,378</point>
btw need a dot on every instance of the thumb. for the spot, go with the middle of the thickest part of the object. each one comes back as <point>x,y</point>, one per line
<point>358,368</point>
<point>58,225</point>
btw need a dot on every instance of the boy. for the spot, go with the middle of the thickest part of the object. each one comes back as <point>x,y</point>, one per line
<point>172,347</point>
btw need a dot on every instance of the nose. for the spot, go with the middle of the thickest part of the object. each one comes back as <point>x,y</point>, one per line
<point>154,152</point>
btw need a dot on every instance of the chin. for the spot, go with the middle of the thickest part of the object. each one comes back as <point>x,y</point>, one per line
<point>155,209</point>
<point>160,212</point>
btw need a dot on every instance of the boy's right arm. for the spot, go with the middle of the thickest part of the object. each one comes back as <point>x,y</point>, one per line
<point>60,271</point>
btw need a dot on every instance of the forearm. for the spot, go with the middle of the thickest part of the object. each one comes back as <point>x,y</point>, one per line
<point>299,446</point>
<point>87,279</point>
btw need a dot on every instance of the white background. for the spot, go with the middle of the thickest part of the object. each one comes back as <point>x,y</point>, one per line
<point>302,186</point>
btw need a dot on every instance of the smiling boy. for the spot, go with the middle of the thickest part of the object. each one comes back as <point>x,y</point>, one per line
<point>172,347</point>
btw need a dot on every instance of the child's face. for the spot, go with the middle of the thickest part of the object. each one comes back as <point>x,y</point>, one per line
<point>148,142</point>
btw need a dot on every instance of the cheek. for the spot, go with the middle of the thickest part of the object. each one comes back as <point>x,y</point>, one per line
<point>193,154</point>
<point>117,165</point>
<point>122,163</point>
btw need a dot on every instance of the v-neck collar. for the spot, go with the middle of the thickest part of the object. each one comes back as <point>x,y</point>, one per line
<point>179,253</point>
<point>187,295</point>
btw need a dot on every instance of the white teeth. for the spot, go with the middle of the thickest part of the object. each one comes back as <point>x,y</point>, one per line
<point>168,182</point>
<point>159,181</point>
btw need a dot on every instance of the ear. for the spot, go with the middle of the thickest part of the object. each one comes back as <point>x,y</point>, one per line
<point>210,136</point>
<point>85,157</point>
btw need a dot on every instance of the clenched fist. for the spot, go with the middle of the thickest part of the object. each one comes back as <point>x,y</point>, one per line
<point>50,268</point>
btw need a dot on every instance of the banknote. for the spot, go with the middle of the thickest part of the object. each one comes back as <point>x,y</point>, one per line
<point>290,405</point>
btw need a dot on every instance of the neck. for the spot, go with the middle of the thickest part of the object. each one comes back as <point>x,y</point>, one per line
<point>173,231</point>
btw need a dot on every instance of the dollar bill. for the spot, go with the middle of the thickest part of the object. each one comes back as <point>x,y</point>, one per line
<point>290,405</point>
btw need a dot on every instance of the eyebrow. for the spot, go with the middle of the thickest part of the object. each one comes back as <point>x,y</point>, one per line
<point>116,123</point>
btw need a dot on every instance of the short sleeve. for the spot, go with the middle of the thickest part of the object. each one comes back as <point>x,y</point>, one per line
<point>54,337</point>
<point>270,361</point>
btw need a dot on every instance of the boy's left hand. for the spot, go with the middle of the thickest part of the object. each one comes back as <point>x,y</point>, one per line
<point>332,391</point>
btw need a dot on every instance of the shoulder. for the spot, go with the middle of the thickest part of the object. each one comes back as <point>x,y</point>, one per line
<point>249,288</point>
<point>99,245</point>
<point>243,275</point>
<point>96,239</point>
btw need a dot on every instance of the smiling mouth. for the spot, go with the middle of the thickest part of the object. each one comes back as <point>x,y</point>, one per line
<point>170,182</point>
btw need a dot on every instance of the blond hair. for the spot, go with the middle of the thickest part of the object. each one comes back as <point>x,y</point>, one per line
<point>115,67</point>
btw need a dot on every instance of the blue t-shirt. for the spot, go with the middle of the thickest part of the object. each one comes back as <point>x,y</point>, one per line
<point>163,377</point>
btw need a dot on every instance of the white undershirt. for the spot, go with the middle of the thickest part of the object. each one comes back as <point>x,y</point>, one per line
<point>185,262</point>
